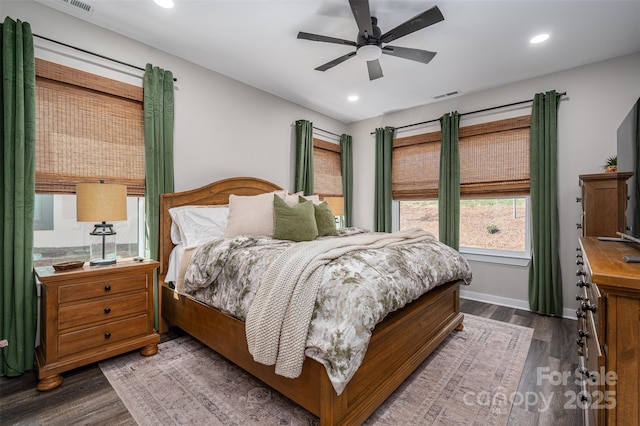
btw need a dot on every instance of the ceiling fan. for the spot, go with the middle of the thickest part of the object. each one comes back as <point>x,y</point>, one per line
<point>369,44</point>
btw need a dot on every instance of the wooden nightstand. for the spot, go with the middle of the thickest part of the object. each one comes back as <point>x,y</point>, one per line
<point>93,313</point>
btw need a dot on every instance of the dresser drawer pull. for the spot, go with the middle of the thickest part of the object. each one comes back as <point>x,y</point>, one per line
<point>579,297</point>
<point>587,307</point>
<point>583,333</point>
<point>580,342</point>
<point>580,314</point>
<point>580,283</point>
<point>107,335</point>
<point>584,371</point>
<point>579,261</point>
<point>107,310</point>
<point>580,272</point>
<point>107,287</point>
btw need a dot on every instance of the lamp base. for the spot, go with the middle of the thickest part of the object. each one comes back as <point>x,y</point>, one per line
<point>102,262</point>
<point>102,250</point>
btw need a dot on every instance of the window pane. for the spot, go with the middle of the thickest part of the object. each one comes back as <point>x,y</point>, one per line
<point>43,212</point>
<point>493,223</point>
<point>68,239</point>
<point>422,214</point>
<point>486,223</point>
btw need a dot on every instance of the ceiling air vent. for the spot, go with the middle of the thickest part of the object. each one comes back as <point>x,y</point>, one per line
<point>79,4</point>
<point>77,7</point>
<point>446,95</point>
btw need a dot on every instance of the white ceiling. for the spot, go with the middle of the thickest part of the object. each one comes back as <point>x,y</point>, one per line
<point>480,44</point>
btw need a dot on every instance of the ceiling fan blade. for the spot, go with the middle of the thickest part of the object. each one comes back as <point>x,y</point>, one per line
<point>360,9</point>
<point>417,55</point>
<point>317,37</point>
<point>414,24</point>
<point>374,68</point>
<point>335,62</point>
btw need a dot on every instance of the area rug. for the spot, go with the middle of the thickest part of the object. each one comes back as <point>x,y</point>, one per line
<point>470,379</point>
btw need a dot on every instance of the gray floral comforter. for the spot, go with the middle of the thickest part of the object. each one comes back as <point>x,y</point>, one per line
<point>359,289</point>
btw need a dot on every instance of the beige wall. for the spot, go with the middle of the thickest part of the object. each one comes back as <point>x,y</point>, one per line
<point>599,96</point>
<point>222,127</point>
<point>225,128</point>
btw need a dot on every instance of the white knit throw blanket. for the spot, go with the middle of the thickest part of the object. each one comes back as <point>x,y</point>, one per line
<point>278,320</point>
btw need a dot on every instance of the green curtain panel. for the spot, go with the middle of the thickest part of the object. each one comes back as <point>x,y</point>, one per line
<point>449,182</point>
<point>346,158</point>
<point>383,197</point>
<point>18,126</point>
<point>545,280</point>
<point>158,142</point>
<point>304,157</point>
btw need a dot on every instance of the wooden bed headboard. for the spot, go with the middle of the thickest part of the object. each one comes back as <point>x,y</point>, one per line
<point>215,193</point>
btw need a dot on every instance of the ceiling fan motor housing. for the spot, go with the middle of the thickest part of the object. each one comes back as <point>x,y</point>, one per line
<point>370,39</point>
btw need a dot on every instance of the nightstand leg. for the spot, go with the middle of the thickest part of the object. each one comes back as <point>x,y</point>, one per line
<point>49,383</point>
<point>460,327</point>
<point>149,350</point>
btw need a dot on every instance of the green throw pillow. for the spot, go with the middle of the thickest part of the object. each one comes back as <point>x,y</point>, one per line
<point>325,220</point>
<point>297,223</point>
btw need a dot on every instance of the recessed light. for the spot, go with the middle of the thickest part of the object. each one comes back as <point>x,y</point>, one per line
<point>353,98</point>
<point>167,4</point>
<point>539,38</point>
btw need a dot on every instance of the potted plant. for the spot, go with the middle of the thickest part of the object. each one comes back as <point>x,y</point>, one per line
<point>611,165</point>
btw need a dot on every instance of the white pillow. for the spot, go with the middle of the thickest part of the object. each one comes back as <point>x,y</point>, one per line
<point>195,225</point>
<point>251,214</point>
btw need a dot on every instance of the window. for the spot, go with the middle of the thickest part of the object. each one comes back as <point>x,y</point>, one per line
<point>88,128</point>
<point>327,169</point>
<point>494,185</point>
<point>43,212</point>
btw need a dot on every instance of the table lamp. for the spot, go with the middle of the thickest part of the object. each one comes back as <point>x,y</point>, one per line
<point>101,202</point>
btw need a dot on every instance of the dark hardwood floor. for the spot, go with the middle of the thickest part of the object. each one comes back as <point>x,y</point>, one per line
<point>87,398</point>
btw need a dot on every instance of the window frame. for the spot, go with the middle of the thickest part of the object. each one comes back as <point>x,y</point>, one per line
<point>472,253</point>
<point>47,184</point>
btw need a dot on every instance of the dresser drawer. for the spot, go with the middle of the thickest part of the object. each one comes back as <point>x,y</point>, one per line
<point>103,309</point>
<point>100,335</point>
<point>90,289</point>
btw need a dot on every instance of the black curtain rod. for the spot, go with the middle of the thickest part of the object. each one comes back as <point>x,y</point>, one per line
<point>473,112</point>
<point>326,131</point>
<point>93,53</point>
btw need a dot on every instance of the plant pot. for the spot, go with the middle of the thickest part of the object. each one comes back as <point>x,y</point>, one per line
<point>611,169</point>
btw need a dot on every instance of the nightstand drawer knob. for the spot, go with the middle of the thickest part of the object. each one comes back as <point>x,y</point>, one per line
<point>107,335</point>
<point>107,310</point>
<point>107,287</point>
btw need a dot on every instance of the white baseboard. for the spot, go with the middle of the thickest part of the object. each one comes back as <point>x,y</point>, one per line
<point>510,303</point>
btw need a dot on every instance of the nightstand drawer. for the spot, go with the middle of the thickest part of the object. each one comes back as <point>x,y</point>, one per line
<point>120,284</point>
<point>78,341</point>
<point>103,309</point>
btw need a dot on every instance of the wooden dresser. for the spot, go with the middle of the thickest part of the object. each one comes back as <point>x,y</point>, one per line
<point>604,201</point>
<point>609,332</point>
<point>93,313</point>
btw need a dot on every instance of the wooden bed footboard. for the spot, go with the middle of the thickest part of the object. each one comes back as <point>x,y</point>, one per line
<point>398,346</point>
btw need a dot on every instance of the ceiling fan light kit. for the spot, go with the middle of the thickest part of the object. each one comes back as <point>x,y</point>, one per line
<point>369,46</point>
<point>369,52</point>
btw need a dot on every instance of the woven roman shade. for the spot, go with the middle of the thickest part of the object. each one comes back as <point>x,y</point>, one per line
<point>494,161</point>
<point>89,128</point>
<point>494,158</point>
<point>415,166</point>
<point>327,170</point>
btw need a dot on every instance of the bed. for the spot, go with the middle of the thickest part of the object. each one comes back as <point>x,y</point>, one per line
<point>398,344</point>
